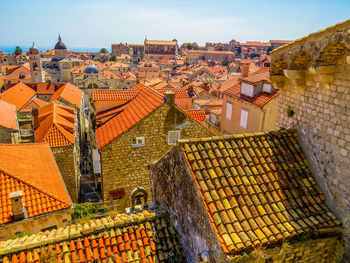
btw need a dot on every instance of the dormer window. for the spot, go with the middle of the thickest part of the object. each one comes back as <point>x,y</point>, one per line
<point>267,88</point>
<point>247,89</point>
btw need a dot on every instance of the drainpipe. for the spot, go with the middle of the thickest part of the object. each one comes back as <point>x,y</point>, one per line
<point>263,119</point>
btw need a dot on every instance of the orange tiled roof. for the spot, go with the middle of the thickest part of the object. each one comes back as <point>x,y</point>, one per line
<point>179,93</point>
<point>8,115</point>
<point>115,95</point>
<point>141,237</point>
<point>18,95</point>
<point>198,115</point>
<point>69,93</point>
<point>32,169</point>
<point>57,125</point>
<point>143,104</point>
<point>259,100</point>
<point>257,188</point>
<point>45,88</point>
<point>34,103</point>
<point>15,74</point>
<point>262,74</point>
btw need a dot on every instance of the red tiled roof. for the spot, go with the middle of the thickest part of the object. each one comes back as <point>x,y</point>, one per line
<point>257,189</point>
<point>262,74</point>
<point>179,93</point>
<point>8,115</point>
<point>57,125</point>
<point>143,104</point>
<point>34,103</point>
<point>198,115</point>
<point>18,95</point>
<point>115,95</point>
<point>45,88</point>
<point>140,238</point>
<point>69,93</point>
<point>32,169</point>
<point>15,74</point>
<point>259,100</point>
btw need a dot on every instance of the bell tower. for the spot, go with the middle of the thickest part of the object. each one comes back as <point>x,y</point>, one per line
<point>36,69</point>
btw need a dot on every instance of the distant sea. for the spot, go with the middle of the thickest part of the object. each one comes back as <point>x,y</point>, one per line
<point>10,49</point>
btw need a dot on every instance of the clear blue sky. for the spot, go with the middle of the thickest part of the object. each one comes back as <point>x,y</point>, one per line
<point>98,23</point>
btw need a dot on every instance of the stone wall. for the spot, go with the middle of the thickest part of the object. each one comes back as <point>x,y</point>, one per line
<point>314,77</point>
<point>327,250</point>
<point>126,167</point>
<point>5,135</point>
<point>175,191</point>
<point>65,160</point>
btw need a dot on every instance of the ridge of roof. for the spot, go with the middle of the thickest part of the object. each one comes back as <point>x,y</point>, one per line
<point>134,111</point>
<point>19,95</point>
<point>70,93</point>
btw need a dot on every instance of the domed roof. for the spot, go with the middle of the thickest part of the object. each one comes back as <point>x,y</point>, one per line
<point>60,44</point>
<point>33,50</point>
<point>91,69</point>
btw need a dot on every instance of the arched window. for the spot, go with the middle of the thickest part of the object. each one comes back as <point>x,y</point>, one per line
<point>138,197</point>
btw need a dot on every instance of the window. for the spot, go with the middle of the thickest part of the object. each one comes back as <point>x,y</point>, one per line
<point>138,142</point>
<point>247,89</point>
<point>213,118</point>
<point>228,110</point>
<point>244,118</point>
<point>173,136</point>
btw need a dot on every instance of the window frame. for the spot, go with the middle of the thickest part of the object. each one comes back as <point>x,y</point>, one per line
<point>227,107</point>
<point>177,136</point>
<point>137,143</point>
<point>245,124</point>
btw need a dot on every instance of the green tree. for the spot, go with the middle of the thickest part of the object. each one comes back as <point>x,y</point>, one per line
<point>18,51</point>
<point>254,55</point>
<point>239,50</point>
<point>269,49</point>
<point>97,59</point>
<point>189,46</point>
<point>103,50</point>
<point>112,58</point>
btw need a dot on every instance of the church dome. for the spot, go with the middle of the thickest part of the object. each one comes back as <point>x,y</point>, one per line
<point>91,69</point>
<point>60,44</point>
<point>34,50</point>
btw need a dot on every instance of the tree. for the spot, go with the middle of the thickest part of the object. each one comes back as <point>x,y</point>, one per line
<point>239,50</point>
<point>18,51</point>
<point>112,58</point>
<point>97,59</point>
<point>103,50</point>
<point>189,46</point>
<point>269,49</point>
<point>254,55</point>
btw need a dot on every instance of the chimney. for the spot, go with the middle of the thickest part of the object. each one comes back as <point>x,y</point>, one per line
<point>36,122</point>
<point>170,97</point>
<point>18,210</point>
<point>245,68</point>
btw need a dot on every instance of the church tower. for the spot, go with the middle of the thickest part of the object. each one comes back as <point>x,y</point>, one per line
<point>60,49</point>
<point>36,69</point>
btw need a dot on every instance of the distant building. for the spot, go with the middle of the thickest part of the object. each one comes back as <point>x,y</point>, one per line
<point>159,49</point>
<point>133,50</point>
<point>57,68</point>
<point>194,56</point>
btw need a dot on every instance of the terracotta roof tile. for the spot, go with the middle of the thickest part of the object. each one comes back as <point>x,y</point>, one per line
<point>198,115</point>
<point>143,104</point>
<point>57,125</point>
<point>179,93</point>
<point>259,100</point>
<point>45,192</point>
<point>69,93</point>
<point>115,95</point>
<point>18,95</point>
<point>257,189</point>
<point>142,237</point>
<point>8,115</point>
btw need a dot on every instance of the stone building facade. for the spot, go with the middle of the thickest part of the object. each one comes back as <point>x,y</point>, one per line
<point>5,134</point>
<point>124,167</point>
<point>158,49</point>
<point>313,74</point>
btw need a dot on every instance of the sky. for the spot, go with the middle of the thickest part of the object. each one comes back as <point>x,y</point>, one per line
<point>99,23</point>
